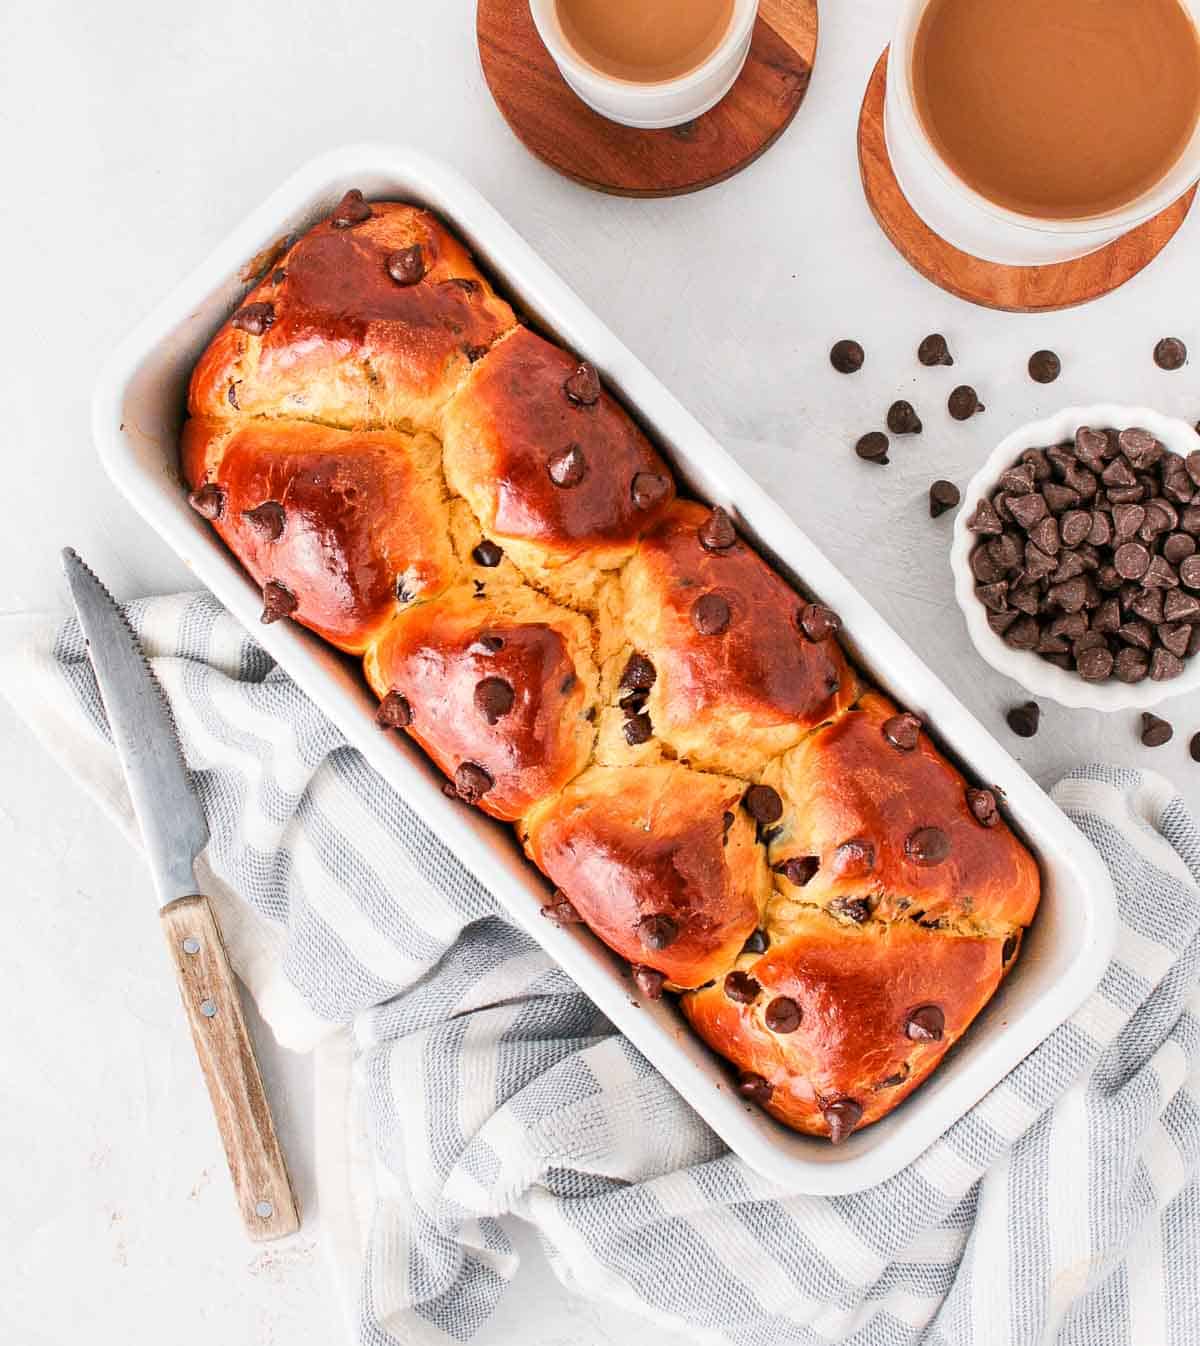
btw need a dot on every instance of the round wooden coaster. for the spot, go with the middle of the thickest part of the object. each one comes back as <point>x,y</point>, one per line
<point>1016,289</point>
<point>548,119</point>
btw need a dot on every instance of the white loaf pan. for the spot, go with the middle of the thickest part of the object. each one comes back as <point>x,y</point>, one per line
<point>138,409</point>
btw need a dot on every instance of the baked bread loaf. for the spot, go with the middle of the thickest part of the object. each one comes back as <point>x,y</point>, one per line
<point>677,735</point>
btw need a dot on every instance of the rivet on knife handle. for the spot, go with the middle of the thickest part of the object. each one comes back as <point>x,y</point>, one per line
<point>214,1010</point>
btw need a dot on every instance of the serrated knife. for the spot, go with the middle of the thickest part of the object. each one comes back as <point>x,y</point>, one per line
<point>175,832</point>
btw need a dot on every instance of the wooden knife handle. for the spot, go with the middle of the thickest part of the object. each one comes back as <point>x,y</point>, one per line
<point>214,1009</point>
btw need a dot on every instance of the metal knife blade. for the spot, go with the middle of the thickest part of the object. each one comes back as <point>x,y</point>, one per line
<point>170,816</point>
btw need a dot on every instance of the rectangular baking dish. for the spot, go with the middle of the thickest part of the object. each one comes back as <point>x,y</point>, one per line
<point>138,409</point>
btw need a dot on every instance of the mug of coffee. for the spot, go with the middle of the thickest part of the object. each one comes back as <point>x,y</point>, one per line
<point>1028,133</point>
<point>647,63</point>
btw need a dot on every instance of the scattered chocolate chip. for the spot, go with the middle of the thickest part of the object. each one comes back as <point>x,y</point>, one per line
<point>394,712</point>
<point>895,1079</point>
<point>559,908</point>
<point>267,520</point>
<point>567,467</point>
<point>717,532</point>
<point>256,319</point>
<point>763,804</point>
<point>1194,747</point>
<point>1010,948</point>
<point>800,870</point>
<point>984,808</point>
<point>278,602</point>
<point>649,489</point>
<point>741,988</point>
<point>819,622</point>
<point>1155,731</point>
<point>208,501</point>
<point>1131,560</point>
<point>1023,720</point>
<point>350,210</point>
<point>754,1087</point>
<point>934,351</point>
<point>407,266</point>
<point>1170,354</point>
<point>639,673</point>
<point>711,614</point>
<point>231,397</point>
<point>583,386</point>
<point>472,782</point>
<point>638,729</point>
<point>783,1015</point>
<point>943,496</point>
<point>487,554</point>
<point>964,402</point>
<point>648,980</point>
<point>926,1023</point>
<point>927,846</point>
<point>757,941</point>
<point>657,931</point>
<point>903,732</point>
<point>1178,547</point>
<point>847,357</point>
<point>1044,366</point>
<point>902,419</point>
<point>494,698</point>
<point>842,1115</point>
<point>873,448</point>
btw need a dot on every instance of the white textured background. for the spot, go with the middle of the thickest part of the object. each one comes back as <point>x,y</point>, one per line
<point>132,138</point>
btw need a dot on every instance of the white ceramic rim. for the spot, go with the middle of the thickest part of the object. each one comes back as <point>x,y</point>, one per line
<point>631,92</point>
<point>136,413</point>
<point>1035,675</point>
<point>1183,175</point>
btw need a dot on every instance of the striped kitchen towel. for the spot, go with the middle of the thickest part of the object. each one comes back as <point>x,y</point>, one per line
<point>468,1080</point>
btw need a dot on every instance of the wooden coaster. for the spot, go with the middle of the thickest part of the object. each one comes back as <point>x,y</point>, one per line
<point>1016,289</point>
<point>549,120</point>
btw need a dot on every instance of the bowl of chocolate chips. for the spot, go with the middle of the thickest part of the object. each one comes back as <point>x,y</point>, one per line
<point>1076,557</point>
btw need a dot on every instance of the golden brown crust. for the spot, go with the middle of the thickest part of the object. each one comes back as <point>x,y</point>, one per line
<point>353,523</point>
<point>726,701</point>
<point>347,344</point>
<point>856,989</point>
<point>874,817</point>
<point>567,487</point>
<point>634,846</point>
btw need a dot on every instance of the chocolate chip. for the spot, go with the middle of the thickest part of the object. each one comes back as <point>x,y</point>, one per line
<point>1148,604</point>
<point>494,698</point>
<point>763,804</point>
<point>943,496</point>
<point>984,807</point>
<point>649,981</point>
<point>902,419</point>
<point>254,318</point>
<point>1107,618</point>
<point>819,622</point>
<point>854,858</point>
<point>1170,354</point>
<point>1023,720</point>
<point>649,489</point>
<point>903,732</point>
<point>842,1115</point>
<point>873,448</point>
<point>1039,563</point>
<point>1023,634</point>
<point>1132,665</point>
<point>638,730</point>
<point>754,1087</point>
<point>847,357</point>
<point>985,520</point>
<point>711,614</point>
<point>1155,731</point>
<point>994,596</point>
<point>267,520</point>
<point>964,402</point>
<point>1031,509</point>
<point>394,712</point>
<point>1093,447</point>
<point>783,1015</point>
<point>756,941</point>
<point>927,846</point>
<point>717,532</point>
<point>934,351</point>
<point>208,501</point>
<point>231,396</point>
<point>583,386</point>
<point>926,1023</point>
<point>895,1079</point>
<point>657,931</point>
<point>1060,497</point>
<point>472,782</point>
<point>1194,747</point>
<point>741,988</point>
<point>1010,948</point>
<point>1069,595</point>
<point>1131,560</point>
<point>278,276</point>
<point>567,467</point>
<point>1181,607</point>
<point>1018,480</point>
<point>856,909</point>
<point>488,644</point>
<point>558,909</point>
<point>1160,574</point>
<point>278,602</point>
<point>1178,547</point>
<point>639,673</point>
<point>1164,666</point>
<point>1094,664</point>
<point>633,703</point>
<point>800,870</point>
<point>350,210</point>
<point>1044,366</point>
<point>1189,572</point>
<point>487,554</point>
<point>407,266</point>
<point>1175,637</point>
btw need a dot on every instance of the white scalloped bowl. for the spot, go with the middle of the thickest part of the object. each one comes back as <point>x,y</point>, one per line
<point>1036,675</point>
